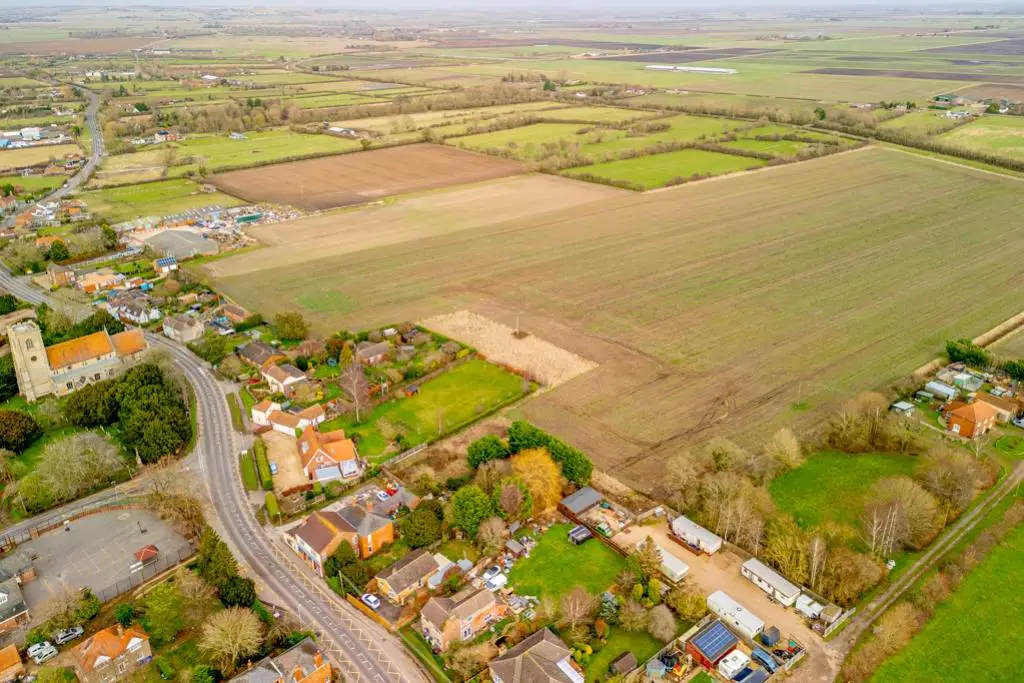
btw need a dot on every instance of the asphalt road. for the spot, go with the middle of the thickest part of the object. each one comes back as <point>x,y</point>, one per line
<point>363,650</point>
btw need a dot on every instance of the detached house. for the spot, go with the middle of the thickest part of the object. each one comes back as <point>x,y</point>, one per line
<point>111,654</point>
<point>539,658</point>
<point>320,534</point>
<point>133,306</point>
<point>369,353</point>
<point>260,354</point>
<point>328,455</point>
<point>182,328</point>
<point>972,420</point>
<point>267,413</point>
<point>446,621</point>
<point>1006,407</point>
<point>400,581</point>
<point>13,610</point>
<point>304,663</point>
<point>60,276</point>
<point>283,378</point>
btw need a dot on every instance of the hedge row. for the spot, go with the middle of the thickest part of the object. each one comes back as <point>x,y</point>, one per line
<point>262,466</point>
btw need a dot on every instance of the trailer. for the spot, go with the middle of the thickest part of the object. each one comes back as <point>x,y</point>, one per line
<point>735,615</point>
<point>672,567</point>
<point>696,536</point>
<point>770,581</point>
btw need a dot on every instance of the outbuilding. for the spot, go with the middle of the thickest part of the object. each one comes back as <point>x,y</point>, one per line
<point>904,408</point>
<point>711,644</point>
<point>941,390</point>
<point>576,504</point>
<point>672,567</point>
<point>696,536</point>
<point>733,663</point>
<point>738,617</point>
<point>807,606</point>
<point>770,581</point>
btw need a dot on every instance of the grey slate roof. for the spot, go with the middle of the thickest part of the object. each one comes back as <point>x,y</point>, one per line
<point>582,500</point>
<point>414,567</point>
<point>13,602</point>
<point>534,660</point>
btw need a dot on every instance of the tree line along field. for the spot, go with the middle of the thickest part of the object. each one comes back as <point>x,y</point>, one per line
<point>723,307</point>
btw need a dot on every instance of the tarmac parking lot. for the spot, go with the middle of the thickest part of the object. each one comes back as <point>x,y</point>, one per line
<point>96,551</point>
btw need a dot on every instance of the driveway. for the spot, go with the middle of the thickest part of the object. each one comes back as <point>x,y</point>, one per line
<point>283,452</point>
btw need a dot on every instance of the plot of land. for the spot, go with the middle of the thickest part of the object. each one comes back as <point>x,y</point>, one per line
<point>355,178</point>
<point>11,159</point>
<point>926,75</point>
<point>159,198</point>
<point>984,615</point>
<point>1011,346</point>
<point>1002,135</point>
<point>544,574</point>
<point>417,121</point>
<point>407,218</point>
<point>711,308</point>
<point>657,170</point>
<point>452,399</point>
<point>596,114</point>
<point>833,486</point>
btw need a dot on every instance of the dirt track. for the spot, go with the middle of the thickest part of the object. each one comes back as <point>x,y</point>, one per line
<point>348,179</point>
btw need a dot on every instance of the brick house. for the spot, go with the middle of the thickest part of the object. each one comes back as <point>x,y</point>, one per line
<point>539,658</point>
<point>111,654</point>
<point>1006,408</point>
<point>11,667</point>
<point>303,663</point>
<point>328,455</point>
<point>400,581</point>
<point>283,378</point>
<point>445,621</point>
<point>972,420</point>
<point>320,534</point>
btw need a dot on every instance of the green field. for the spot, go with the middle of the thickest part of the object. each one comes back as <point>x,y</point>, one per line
<point>832,486</point>
<point>450,400</point>
<point>780,148</point>
<point>220,151</point>
<point>594,566</point>
<point>34,183</point>
<point>336,100</point>
<point>1002,135</point>
<point>159,198</point>
<point>920,123</point>
<point>596,114</point>
<point>982,618</point>
<point>657,170</point>
<point>524,142</point>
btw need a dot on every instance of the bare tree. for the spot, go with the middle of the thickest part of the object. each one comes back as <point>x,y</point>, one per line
<point>197,594</point>
<point>818,556</point>
<point>915,518</point>
<point>70,467</point>
<point>785,448</point>
<point>492,534</point>
<point>468,661</point>
<point>231,634</point>
<point>510,498</point>
<point>661,624</point>
<point>632,616</point>
<point>578,607</point>
<point>58,612</point>
<point>353,381</point>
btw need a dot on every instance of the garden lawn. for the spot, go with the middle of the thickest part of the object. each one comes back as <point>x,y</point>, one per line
<point>459,550</point>
<point>455,398</point>
<point>832,486</point>
<point>657,170</point>
<point>981,619</point>
<point>160,198</point>
<point>556,566</point>
<point>640,643</point>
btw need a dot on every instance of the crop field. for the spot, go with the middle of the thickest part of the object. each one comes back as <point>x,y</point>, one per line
<point>11,159</point>
<point>920,123</point>
<point>656,170</point>
<point>832,486</point>
<point>152,199</point>
<point>408,218</point>
<point>355,178</point>
<point>983,614</point>
<point>1011,346</point>
<point>525,141</point>
<point>337,100</point>
<point>33,183</point>
<point>421,120</point>
<point>596,114</point>
<point>1002,135</point>
<point>726,305</point>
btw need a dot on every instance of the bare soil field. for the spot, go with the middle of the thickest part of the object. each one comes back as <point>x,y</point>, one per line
<point>1010,92</point>
<point>409,218</point>
<point>925,75</point>
<point>77,46</point>
<point>720,308</point>
<point>1011,47</point>
<point>355,178</point>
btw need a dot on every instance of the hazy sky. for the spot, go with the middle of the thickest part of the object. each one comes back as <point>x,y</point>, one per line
<point>620,7</point>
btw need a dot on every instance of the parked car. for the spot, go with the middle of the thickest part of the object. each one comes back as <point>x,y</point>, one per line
<point>491,572</point>
<point>1019,421</point>
<point>67,635</point>
<point>371,600</point>
<point>42,652</point>
<point>382,495</point>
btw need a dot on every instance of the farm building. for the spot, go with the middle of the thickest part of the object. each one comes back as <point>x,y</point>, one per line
<point>181,243</point>
<point>672,567</point>
<point>770,581</point>
<point>696,536</point>
<point>972,420</point>
<point>735,615</point>
<point>690,69</point>
<point>576,504</point>
<point>941,390</point>
<point>711,644</point>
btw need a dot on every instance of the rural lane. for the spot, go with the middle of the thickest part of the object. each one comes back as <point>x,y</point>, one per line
<point>363,650</point>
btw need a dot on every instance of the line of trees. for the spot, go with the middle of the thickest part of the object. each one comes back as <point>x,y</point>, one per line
<point>966,351</point>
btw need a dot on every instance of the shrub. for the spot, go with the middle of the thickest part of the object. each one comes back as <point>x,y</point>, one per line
<point>486,449</point>
<point>238,591</point>
<point>262,466</point>
<point>271,503</point>
<point>125,614</point>
<point>18,430</point>
<point>966,351</point>
<point>164,667</point>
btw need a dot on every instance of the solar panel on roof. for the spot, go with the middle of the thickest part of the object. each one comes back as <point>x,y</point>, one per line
<point>714,640</point>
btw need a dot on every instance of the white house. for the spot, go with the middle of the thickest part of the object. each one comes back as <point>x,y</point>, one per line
<point>260,413</point>
<point>281,377</point>
<point>696,536</point>
<point>287,423</point>
<point>735,615</point>
<point>770,581</point>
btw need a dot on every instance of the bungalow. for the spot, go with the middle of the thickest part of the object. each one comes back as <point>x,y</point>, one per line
<point>234,313</point>
<point>445,621</point>
<point>287,423</point>
<point>328,455</point>
<point>260,354</point>
<point>972,420</point>
<point>1006,408</point>
<point>111,654</point>
<point>539,658</point>
<point>60,276</point>
<point>90,283</point>
<point>369,353</point>
<point>47,241</point>
<point>401,580</point>
<point>182,328</point>
<point>320,534</point>
<point>165,265</point>
<point>303,663</point>
<point>283,378</point>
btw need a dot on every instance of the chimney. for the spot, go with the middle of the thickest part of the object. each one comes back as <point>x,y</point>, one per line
<point>297,673</point>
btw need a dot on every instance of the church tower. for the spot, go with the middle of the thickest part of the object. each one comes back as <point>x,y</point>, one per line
<point>30,362</point>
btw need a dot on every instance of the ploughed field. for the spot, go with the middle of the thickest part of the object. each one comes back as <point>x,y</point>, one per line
<point>714,308</point>
<point>355,178</point>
